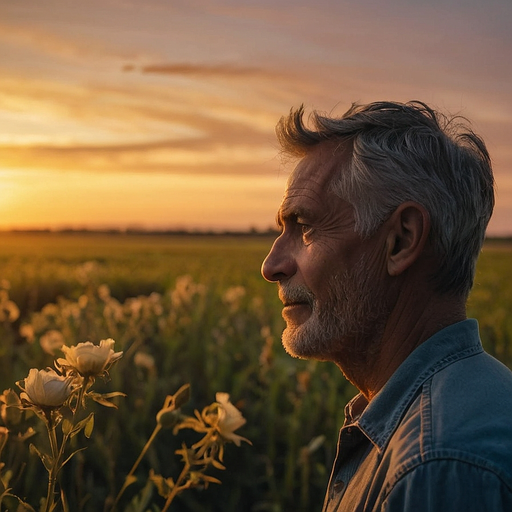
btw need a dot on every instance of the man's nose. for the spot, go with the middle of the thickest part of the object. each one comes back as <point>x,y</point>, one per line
<point>279,263</point>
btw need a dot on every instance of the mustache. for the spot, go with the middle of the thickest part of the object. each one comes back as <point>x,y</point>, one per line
<point>295,294</point>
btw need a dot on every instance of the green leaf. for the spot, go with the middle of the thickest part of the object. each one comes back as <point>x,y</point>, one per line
<point>102,401</point>
<point>81,425</point>
<point>67,426</point>
<point>72,455</point>
<point>129,480</point>
<point>141,501</point>
<point>89,426</point>
<point>163,485</point>
<point>45,459</point>
<point>111,395</point>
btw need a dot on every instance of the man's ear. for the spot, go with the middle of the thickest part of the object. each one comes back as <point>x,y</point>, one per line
<point>409,227</point>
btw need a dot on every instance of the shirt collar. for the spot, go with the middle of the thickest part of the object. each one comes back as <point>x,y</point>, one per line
<point>382,415</point>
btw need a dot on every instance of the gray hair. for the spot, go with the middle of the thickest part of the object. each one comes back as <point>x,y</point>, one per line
<point>409,152</point>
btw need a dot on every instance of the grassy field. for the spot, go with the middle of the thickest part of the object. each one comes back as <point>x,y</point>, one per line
<point>190,309</point>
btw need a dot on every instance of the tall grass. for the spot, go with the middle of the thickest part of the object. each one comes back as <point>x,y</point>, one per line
<point>190,309</point>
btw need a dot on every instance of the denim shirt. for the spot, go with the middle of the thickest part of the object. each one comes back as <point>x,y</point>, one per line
<point>437,437</point>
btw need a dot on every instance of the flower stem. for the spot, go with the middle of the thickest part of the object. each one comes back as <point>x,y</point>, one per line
<point>58,453</point>
<point>178,487</point>
<point>54,469</point>
<point>128,479</point>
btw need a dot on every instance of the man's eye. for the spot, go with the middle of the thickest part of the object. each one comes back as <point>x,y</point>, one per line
<point>306,230</point>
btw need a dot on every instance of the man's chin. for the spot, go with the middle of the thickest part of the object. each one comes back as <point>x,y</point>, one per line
<point>300,344</point>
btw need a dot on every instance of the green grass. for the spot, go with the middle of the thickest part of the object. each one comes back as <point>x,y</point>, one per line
<point>217,328</point>
<point>491,300</point>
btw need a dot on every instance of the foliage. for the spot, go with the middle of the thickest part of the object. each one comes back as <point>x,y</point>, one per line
<point>187,309</point>
<point>58,397</point>
<point>491,300</point>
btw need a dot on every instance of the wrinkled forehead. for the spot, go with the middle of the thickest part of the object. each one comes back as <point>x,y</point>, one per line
<point>318,168</point>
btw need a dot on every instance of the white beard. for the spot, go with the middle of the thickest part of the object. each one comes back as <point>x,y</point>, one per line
<point>347,325</point>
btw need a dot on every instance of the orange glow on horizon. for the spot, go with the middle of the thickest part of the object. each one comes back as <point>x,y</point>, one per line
<point>152,201</point>
<point>115,115</point>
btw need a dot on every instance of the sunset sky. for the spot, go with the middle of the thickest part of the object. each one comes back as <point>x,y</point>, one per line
<point>161,113</point>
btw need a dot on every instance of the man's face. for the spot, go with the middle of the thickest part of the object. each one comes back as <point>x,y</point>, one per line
<point>330,279</point>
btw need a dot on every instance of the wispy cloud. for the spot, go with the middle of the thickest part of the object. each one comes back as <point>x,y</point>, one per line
<point>149,129</point>
<point>168,157</point>
<point>202,70</point>
<point>39,40</point>
<point>153,112</point>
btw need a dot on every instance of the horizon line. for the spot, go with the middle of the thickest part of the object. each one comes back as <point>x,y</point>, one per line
<point>251,231</point>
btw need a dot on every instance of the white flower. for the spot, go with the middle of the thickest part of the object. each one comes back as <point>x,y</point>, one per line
<point>134,306</point>
<point>144,360</point>
<point>89,359</point>
<point>229,419</point>
<point>46,388</point>
<point>104,292</point>
<point>9,311</point>
<point>185,290</point>
<point>233,296</point>
<point>27,332</point>
<point>51,341</point>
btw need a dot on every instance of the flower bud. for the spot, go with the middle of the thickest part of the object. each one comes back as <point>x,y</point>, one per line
<point>168,417</point>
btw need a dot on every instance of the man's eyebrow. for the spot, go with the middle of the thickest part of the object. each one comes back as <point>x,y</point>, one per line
<point>290,213</point>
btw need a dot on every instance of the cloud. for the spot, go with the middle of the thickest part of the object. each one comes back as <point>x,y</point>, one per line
<point>168,157</point>
<point>201,70</point>
<point>74,48</point>
<point>143,111</point>
<point>150,129</point>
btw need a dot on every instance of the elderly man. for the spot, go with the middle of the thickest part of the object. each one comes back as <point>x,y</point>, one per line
<point>381,225</point>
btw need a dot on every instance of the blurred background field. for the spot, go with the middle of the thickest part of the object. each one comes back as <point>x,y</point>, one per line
<point>189,309</point>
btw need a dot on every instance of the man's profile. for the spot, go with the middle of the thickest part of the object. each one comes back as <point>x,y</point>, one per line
<point>382,223</point>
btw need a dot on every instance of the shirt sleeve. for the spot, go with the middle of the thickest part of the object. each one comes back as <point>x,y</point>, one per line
<point>451,486</point>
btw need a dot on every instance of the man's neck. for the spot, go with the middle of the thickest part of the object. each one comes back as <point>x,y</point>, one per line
<point>412,321</point>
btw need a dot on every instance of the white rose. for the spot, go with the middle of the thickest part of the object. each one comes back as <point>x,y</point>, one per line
<point>46,388</point>
<point>89,359</point>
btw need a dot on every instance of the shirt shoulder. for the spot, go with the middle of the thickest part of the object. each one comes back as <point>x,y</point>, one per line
<point>468,407</point>
<point>456,433</point>
<point>448,484</point>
